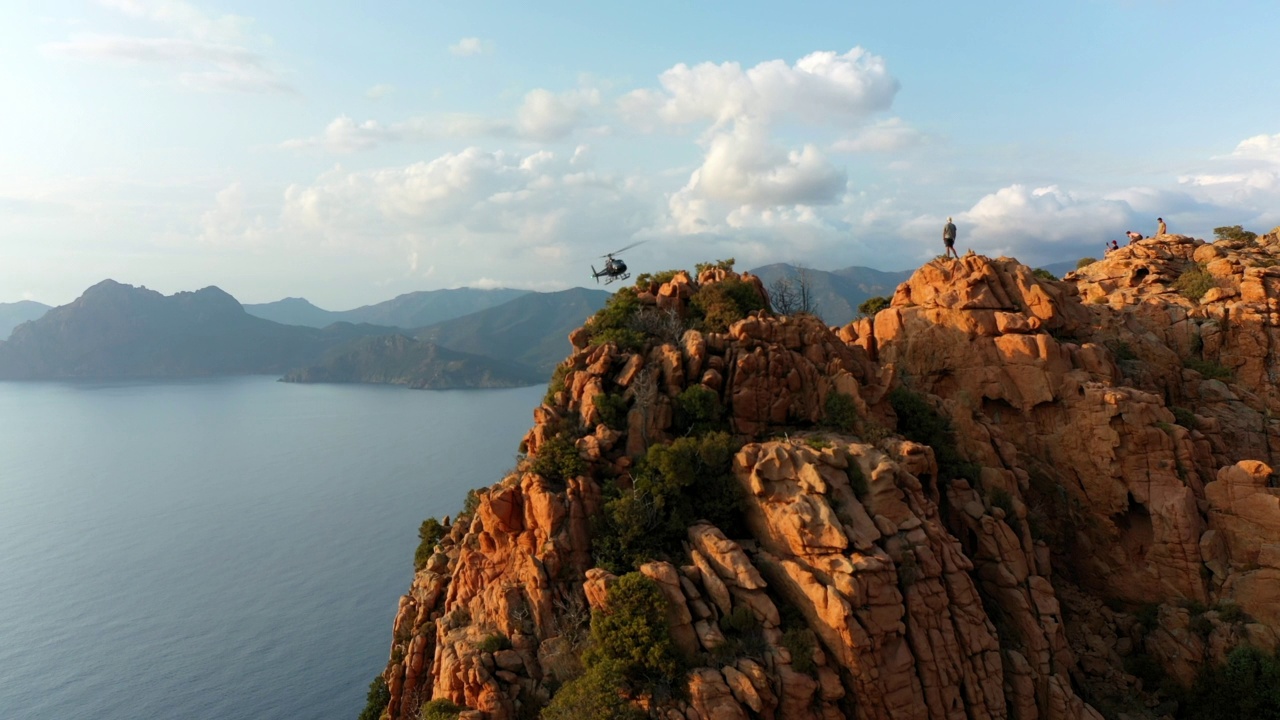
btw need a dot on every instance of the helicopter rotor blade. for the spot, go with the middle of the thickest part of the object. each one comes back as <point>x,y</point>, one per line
<point>615,252</point>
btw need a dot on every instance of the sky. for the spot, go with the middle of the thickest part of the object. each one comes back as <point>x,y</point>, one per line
<point>351,152</point>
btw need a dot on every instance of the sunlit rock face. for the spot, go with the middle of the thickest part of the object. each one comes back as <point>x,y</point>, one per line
<point>1099,493</point>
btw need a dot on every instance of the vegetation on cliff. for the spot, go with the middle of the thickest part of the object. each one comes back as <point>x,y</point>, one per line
<point>1005,496</point>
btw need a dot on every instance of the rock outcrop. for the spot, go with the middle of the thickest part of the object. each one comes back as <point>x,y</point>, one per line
<point>991,499</point>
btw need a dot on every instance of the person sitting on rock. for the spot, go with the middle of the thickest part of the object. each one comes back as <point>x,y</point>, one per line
<point>1161,228</point>
<point>1134,236</point>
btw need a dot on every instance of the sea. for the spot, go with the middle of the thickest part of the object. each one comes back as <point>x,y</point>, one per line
<point>222,549</point>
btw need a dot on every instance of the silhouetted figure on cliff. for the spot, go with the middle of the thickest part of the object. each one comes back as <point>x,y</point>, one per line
<point>949,239</point>
<point>1161,228</point>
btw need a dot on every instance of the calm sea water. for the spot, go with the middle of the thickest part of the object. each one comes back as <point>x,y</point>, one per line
<point>225,549</point>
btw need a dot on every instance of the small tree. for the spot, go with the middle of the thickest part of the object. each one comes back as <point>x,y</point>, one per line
<point>1234,232</point>
<point>873,305</point>
<point>793,294</point>
<point>1085,261</point>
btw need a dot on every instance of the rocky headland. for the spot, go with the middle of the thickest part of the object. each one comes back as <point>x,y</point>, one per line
<point>1002,496</point>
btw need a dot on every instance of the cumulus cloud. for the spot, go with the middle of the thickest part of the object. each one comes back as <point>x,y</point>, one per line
<point>211,54</point>
<point>542,116</point>
<point>230,221</point>
<point>468,46</point>
<point>885,136</point>
<point>464,214</point>
<point>745,174</point>
<point>821,87</point>
<point>1265,148</point>
<point>744,168</point>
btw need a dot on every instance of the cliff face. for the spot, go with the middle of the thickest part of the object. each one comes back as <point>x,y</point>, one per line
<point>1033,493</point>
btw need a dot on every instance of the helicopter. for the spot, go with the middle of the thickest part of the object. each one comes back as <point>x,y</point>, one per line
<point>614,268</point>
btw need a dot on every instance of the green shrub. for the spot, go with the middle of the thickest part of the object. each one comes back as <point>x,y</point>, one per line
<point>1194,282</point>
<point>1184,417</point>
<point>493,643</point>
<point>643,280</point>
<point>743,636</point>
<point>429,534</point>
<point>1232,613</point>
<point>1208,368</point>
<point>719,305</point>
<point>557,459</point>
<point>873,305</point>
<point>376,700</point>
<point>470,503</point>
<point>697,410</point>
<point>458,617</point>
<point>597,694</point>
<point>1044,274</point>
<point>726,265</point>
<point>918,421</point>
<point>1122,351</point>
<point>613,410</point>
<point>1247,685</point>
<point>1234,232</point>
<point>440,710</point>
<point>612,323</point>
<point>857,480</point>
<point>632,632</point>
<point>673,486</point>
<point>799,642</point>
<point>840,411</point>
<point>556,385</point>
<point>1085,261</point>
<point>817,443</point>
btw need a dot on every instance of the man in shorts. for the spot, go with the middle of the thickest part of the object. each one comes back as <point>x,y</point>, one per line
<point>949,239</point>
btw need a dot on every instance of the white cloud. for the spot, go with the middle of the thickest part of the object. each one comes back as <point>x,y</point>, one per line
<point>746,176</point>
<point>468,46</point>
<point>545,115</point>
<point>886,136</point>
<point>457,212</point>
<point>230,223</point>
<point>821,87</point>
<point>379,91</point>
<point>542,116</point>
<point>743,168</point>
<point>1265,148</point>
<point>213,54</point>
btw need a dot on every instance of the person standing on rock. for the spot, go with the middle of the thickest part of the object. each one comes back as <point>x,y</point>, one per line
<point>949,239</point>
<point>1161,229</point>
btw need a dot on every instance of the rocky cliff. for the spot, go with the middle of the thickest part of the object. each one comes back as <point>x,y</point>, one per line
<point>1001,496</point>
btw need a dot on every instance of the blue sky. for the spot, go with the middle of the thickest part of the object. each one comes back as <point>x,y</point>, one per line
<point>350,152</point>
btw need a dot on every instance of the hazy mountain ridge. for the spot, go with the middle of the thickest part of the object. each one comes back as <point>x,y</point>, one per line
<point>14,314</point>
<point>836,293</point>
<point>407,311</point>
<point>403,360</point>
<point>531,330</point>
<point>121,331</point>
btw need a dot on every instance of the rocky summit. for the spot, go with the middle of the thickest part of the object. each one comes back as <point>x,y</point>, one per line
<point>1002,496</point>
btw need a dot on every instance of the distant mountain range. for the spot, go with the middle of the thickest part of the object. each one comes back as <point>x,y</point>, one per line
<point>837,293</point>
<point>14,314</point>
<point>120,331</point>
<point>532,330</point>
<point>411,310</point>
<point>402,360</point>
<point>475,338</point>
